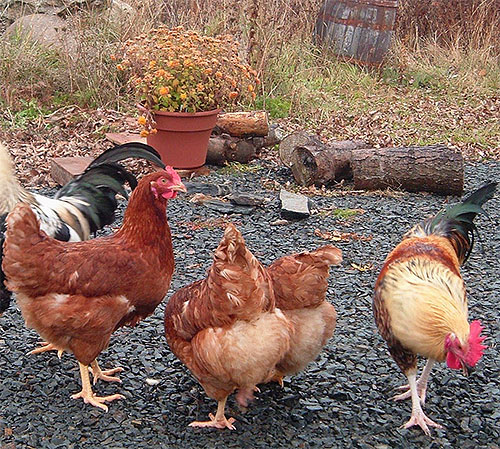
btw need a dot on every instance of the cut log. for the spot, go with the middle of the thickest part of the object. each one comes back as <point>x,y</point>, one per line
<point>221,149</point>
<point>224,148</point>
<point>317,163</point>
<point>433,168</point>
<point>292,141</point>
<point>241,124</point>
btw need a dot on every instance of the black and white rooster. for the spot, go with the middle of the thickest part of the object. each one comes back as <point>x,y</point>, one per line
<point>81,207</point>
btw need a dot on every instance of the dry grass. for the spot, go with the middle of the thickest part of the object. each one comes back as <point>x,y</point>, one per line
<point>440,84</point>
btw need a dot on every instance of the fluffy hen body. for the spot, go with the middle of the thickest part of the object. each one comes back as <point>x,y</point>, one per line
<point>81,207</point>
<point>300,283</point>
<point>226,328</point>
<point>76,294</point>
<point>420,303</point>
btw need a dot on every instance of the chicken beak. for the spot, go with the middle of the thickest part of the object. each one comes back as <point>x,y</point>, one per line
<point>466,370</point>
<point>179,188</point>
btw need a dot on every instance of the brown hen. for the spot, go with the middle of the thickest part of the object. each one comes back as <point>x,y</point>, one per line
<point>76,294</point>
<point>226,329</point>
<point>300,283</point>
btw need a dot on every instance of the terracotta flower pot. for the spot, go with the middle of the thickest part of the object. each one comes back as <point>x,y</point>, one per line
<point>182,137</point>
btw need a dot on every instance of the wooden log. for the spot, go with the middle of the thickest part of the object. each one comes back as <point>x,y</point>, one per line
<point>240,124</point>
<point>292,141</point>
<point>317,163</point>
<point>433,168</point>
<point>225,148</point>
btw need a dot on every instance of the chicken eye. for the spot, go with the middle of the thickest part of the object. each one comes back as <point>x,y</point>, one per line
<point>163,180</point>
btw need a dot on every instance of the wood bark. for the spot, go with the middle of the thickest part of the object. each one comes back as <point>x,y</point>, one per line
<point>433,168</point>
<point>240,124</point>
<point>317,163</point>
<point>292,141</point>
<point>224,148</point>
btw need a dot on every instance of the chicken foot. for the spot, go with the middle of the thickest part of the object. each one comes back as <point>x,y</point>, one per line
<point>245,395</point>
<point>421,384</point>
<point>97,373</point>
<point>219,420</point>
<point>46,346</point>
<point>417,414</point>
<point>88,395</point>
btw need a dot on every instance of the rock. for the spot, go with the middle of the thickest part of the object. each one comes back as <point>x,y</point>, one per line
<point>121,12</point>
<point>207,189</point>
<point>228,208</point>
<point>48,30</point>
<point>14,9</point>
<point>294,206</point>
<point>247,199</point>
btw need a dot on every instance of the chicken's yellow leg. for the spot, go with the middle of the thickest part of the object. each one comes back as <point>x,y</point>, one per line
<point>88,395</point>
<point>46,346</point>
<point>219,420</point>
<point>104,375</point>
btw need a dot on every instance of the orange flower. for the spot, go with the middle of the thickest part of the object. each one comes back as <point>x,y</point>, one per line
<point>218,74</point>
<point>233,95</point>
<point>250,88</point>
<point>120,67</point>
<point>144,133</point>
<point>142,120</point>
<point>183,96</point>
<point>164,90</point>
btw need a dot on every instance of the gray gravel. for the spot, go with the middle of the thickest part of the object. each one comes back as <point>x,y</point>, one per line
<point>342,400</point>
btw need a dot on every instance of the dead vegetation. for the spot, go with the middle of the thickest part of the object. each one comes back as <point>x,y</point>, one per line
<point>440,83</point>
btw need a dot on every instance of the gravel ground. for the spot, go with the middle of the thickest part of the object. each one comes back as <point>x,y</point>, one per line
<point>340,401</point>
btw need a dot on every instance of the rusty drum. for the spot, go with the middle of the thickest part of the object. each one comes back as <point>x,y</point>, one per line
<point>359,30</point>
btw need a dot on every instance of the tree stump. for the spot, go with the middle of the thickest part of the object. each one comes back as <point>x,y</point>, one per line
<point>224,148</point>
<point>433,168</point>
<point>292,141</point>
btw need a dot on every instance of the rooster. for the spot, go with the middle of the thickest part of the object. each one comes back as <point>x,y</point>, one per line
<point>225,328</point>
<point>300,283</point>
<point>81,207</point>
<point>76,294</point>
<point>420,304</point>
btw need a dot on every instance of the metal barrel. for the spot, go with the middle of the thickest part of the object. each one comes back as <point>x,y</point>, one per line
<point>358,30</point>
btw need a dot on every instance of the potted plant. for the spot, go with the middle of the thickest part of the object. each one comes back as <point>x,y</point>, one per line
<point>181,80</point>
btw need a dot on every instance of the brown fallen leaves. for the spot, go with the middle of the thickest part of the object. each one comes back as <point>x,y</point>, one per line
<point>337,236</point>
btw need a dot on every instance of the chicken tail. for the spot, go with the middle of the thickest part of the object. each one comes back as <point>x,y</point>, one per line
<point>11,191</point>
<point>93,193</point>
<point>456,222</point>
<point>301,280</point>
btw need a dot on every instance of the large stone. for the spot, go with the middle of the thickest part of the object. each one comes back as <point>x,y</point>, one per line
<point>48,30</point>
<point>14,9</point>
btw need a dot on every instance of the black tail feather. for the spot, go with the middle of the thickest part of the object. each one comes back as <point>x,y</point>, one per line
<point>129,150</point>
<point>457,222</point>
<point>94,191</point>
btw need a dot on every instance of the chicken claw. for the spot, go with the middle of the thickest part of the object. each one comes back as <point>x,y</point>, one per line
<point>419,418</point>
<point>219,420</point>
<point>46,346</point>
<point>97,373</point>
<point>88,395</point>
<point>96,401</point>
<point>245,395</point>
<point>219,424</point>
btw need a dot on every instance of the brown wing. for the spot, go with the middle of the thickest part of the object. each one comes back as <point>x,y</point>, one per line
<point>37,265</point>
